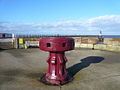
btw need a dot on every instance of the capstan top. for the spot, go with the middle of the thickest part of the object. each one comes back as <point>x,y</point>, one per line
<point>56,44</point>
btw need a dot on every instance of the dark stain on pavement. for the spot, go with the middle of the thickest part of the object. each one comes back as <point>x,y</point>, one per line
<point>2,49</point>
<point>35,75</point>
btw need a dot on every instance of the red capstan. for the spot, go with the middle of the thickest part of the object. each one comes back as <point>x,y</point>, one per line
<point>57,73</point>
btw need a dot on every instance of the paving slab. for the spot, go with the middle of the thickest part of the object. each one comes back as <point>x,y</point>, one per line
<point>21,69</point>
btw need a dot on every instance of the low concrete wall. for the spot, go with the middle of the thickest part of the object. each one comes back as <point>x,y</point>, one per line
<point>80,45</point>
<point>110,44</point>
<point>112,41</point>
<point>86,40</point>
<point>99,46</point>
<point>107,47</point>
<point>6,45</point>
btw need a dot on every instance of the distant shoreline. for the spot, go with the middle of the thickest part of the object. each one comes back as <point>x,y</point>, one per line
<point>96,36</point>
<point>9,35</point>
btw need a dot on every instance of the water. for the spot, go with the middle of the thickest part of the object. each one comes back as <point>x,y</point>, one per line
<point>111,36</point>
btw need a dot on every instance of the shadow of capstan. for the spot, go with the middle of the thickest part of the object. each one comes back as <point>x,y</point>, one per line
<point>85,62</point>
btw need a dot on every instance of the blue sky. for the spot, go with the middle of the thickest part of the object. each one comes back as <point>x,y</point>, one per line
<point>60,16</point>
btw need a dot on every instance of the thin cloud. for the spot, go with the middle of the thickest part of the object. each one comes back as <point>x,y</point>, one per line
<point>109,24</point>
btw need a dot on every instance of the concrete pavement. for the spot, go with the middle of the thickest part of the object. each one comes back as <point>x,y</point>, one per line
<point>20,69</point>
